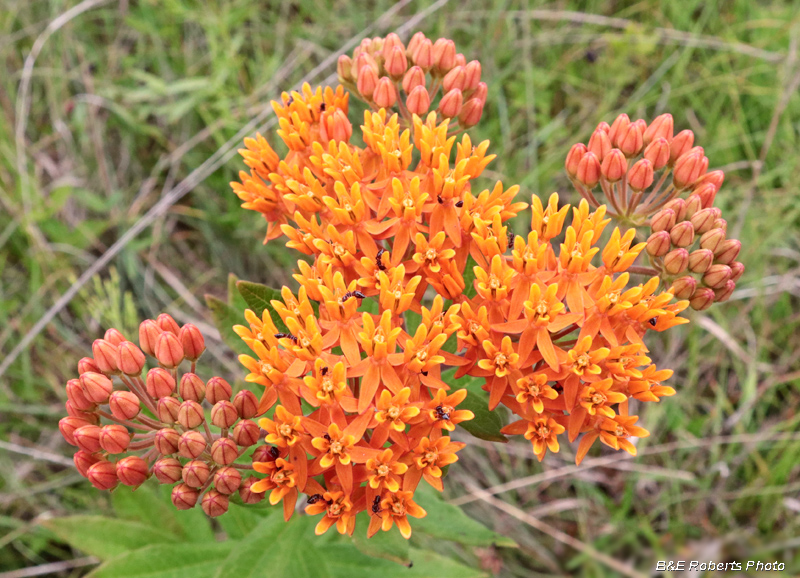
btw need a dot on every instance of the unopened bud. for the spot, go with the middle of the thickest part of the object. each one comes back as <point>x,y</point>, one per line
<point>714,178</point>
<point>87,438</point>
<point>724,293</point>
<point>688,168</point>
<point>247,495</point>
<point>413,78</point>
<point>423,56</point>
<point>682,234</point>
<point>195,473</point>
<point>385,94</point>
<point>444,55</point>
<point>113,336</point>
<point>727,251</point>
<point>418,101</point>
<point>224,451</point>
<point>192,341</point>
<point>390,42</point>
<point>344,68</point>
<point>224,414</point>
<point>77,397</point>
<point>114,438</point>
<point>246,404</point>
<point>105,356</point>
<point>630,141</point>
<point>184,497</point>
<point>693,204</point>
<point>166,323</point>
<point>86,415</point>
<point>87,365</point>
<point>703,220</point>
<point>367,81</point>
<point>214,503</point>
<point>192,388</point>
<point>679,206</point>
<point>700,260</point>
<point>481,92</point>
<point>679,145</point>
<point>167,440</point>
<point>658,244</point>
<point>83,461</point>
<point>640,176</point>
<point>69,425</point>
<point>717,275</point>
<point>130,359</point>
<point>159,383</point>
<point>227,480</point>
<point>574,157</point>
<point>720,224</point>
<point>600,144</point>
<point>246,433</point>
<point>676,261</point>
<point>451,103</point>
<point>471,113</point>
<point>604,126</point>
<point>712,239</point>
<point>663,220</point>
<point>588,170</point>
<point>190,414</point>
<point>702,299</point>
<point>657,152</point>
<point>618,129</point>
<point>132,471</point>
<point>396,63</point>
<point>103,475</point>
<point>191,444</point>
<point>614,166</point>
<point>96,387</point>
<point>661,127</point>
<point>148,335</point>
<point>169,350</point>
<point>414,43</point>
<point>737,270</point>
<point>472,71</point>
<point>706,193</point>
<point>217,389</point>
<point>168,409</point>
<point>167,470</point>
<point>336,126</point>
<point>456,78</point>
<point>683,287</point>
<point>460,60</point>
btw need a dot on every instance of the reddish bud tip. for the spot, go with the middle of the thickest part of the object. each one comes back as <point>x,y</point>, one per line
<point>418,101</point>
<point>227,480</point>
<point>96,387</point>
<point>471,113</point>
<point>130,359</point>
<point>661,127</point>
<point>679,145</point>
<point>724,293</point>
<point>423,55</point>
<point>246,433</point>
<point>77,397</point>
<point>148,335</point>
<point>414,43</point>
<point>224,451</point>
<point>657,152</point>
<point>614,166</point>
<point>451,103</point>
<point>168,409</point>
<point>703,220</point>
<point>385,94</point>
<point>367,81</point>
<point>727,251</point>
<point>444,55</point>
<point>114,438</point>
<point>247,495</point>
<point>618,129</point>
<point>83,461</point>
<point>190,414</point>
<point>192,388</point>
<point>472,72</point>
<point>588,170</point>
<point>159,383</point>
<point>640,176</point>
<point>604,126</point>
<point>682,234</point>
<point>87,416</point>
<point>69,425</point>
<point>396,63</point>
<point>169,350</point>
<point>600,144</point>
<point>702,299</point>
<point>114,337</point>
<point>700,260</point>
<point>103,475</point>
<point>481,92</point>
<point>87,438</point>
<point>214,503</point>
<point>658,244</point>
<point>676,261</point>
<point>717,275</point>
<point>224,414</point>
<point>105,355</point>
<point>165,322</point>
<point>574,157</point>
<point>132,471</point>
<point>184,497</point>
<point>688,168</point>
<point>679,206</point>
<point>192,341</point>
<point>737,270</point>
<point>246,404</point>
<point>195,473</point>
<point>167,441</point>
<point>683,287</point>
<point>344,68</point>
<point>87,365</point>
<point>217,389</point>
<point>712,239</point>
<point>191,444</point>
<point>167,470</point>
<point>714,178</point>
<point>693,205</point>
<point>456,78</point>
<point>413,78</point>
<point>663,220</point>
<point>630,141</point>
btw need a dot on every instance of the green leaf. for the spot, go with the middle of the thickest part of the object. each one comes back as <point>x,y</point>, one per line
<point>388,545</point>
<point>487,424</point>
<point>225,317</point>
<point>106,537</point>
<point>145,506</point>
<point>258,297</point>
<point>235,299</point>
<point>276,548</point>
<point>469,278</point>
<point>241,520</point>
<point>449,522</point>
<point>345,561</point>
<point>166,561</point>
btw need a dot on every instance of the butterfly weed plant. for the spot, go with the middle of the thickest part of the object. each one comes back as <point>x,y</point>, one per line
<point>418,309</point>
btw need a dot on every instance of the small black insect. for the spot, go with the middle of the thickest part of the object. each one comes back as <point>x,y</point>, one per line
<point>376,505</point>
<point>440,199</point>
<point>274,452</point>
<point>653,321</point>
<point>287,336</point>
<point>324,370</point>
<point>591,56</point>
<point>327,437</point>
<point>460,203</point>
<point>290,101</point>
<point>356,294</point>
<point>425,373</point>
<point>441,414</point>
<point>314,499</point>
<point>378,260</point>
<point>322,107</point>
<point>510,237</point>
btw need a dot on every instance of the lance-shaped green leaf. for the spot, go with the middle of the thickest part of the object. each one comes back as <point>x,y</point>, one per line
<point>167,561</point>
<point>487,424</point>
<point>225,317</point>
<point>258,297</point>
<point>388,545</point>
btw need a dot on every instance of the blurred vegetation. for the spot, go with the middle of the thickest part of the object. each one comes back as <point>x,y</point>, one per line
<point>127,98</point>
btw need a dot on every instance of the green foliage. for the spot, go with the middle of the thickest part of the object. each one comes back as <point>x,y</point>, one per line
<point>228,313</point>
<point>258,297</point>
<point>487,424</point>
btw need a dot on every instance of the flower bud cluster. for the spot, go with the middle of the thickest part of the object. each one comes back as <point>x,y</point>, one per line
<point>130,423</point>
<point>387,74</point>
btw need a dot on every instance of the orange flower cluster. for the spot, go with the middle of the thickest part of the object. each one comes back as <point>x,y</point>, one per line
<point>160,416</point>
<point>676,224</point>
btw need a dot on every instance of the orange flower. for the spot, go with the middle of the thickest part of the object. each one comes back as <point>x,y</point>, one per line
<point>431,456</point>
<point>396,410</point>
<point>395,509</point>
<point>533,389</point>
<point>597,397</point>
<point>338,510</point>
<point>285,430</point>
<point>335,445</point>
<point>384,471</point>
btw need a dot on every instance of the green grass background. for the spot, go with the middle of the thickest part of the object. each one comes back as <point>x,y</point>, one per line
<point>129,97</point>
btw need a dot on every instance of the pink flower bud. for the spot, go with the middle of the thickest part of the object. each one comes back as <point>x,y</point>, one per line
<point>132,471</point>
<point>105,356</point>
<point>168,409</point>
<point>630,141</point>
<point>396,63</point>
<point>451,103</point>
<point>720,224</point>
<point>192,388</point>
<point>460,60</point>
<point>77,397</point>
<point>714,178</point>
<point>724,293</point>
<point>737,270</point>
<point>88,416</point>
<point>679,206</point>
<point>167,440</point>
<point>114,438</point>
<point>195,473</point>
<point>214,503</point>
<point>471,113</point>
<point>227,480</point>
<point>169,350</point>
<point>414,43</point>
<point>663,220</point>
<point>184,497</point>
<point>456,78</point>
<point>166,323</point>
<point>481,91</point>
<point>367,81</point>
<point>683,287</point>
<point>423,56</point>
<point>83,461</point>
<point>224,414</point>
<point>102,475</point>
<point>658,244</point>
<point>159,383</point>
<point>599,144</point>
<point>640,176</point>
<point>703,219</point>
<point>385,94</point>
<point>413,78</point>
<point>191,444</point>
<point>246,404</point>
<point>444,55</point>
<point>681,144</point>
<point>706,193</point>
<point>247,495</point>
<point>657,152</point>
<point>700,260</point>
<point>344,68</point>
<point>676,261</point>
<point>192,341</point>
<point>717,275</point>
<point>265,454</point>
<point>618,129</point>
<point>588,170</point>
<point>68,426</point>
<point>702,299</point>
<point>246,433</point>
<point>217,389</point>
<point>87,365</point>
<point>574,157</point>
<point>661,127</point>
<point>614,166</point>
<point>190,414</point>
<point>693,204</point>
<point>114,337</point>
<point>728,250</point>
<point>390,42</point>
<point>87,438</point>
<point>167,470</point>
<point>712,239</point>
<point>604,126</point>
<point>418,101</point>
<point>688,168</point>
<point>148,335</point>
<point>130,359</point>
<point>472,72</point>
<point>224,451</point>
<point>682,234</point>
<point>96,387</point>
